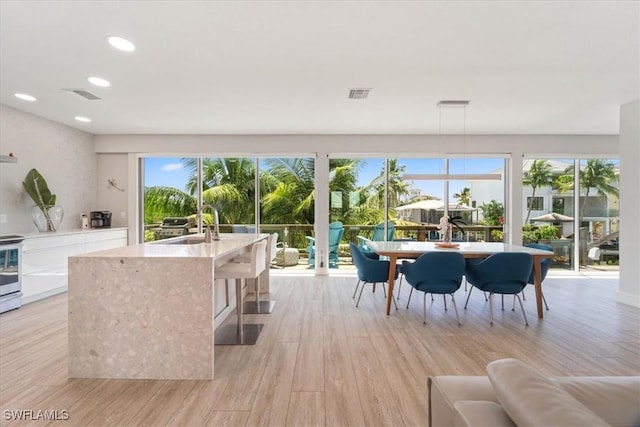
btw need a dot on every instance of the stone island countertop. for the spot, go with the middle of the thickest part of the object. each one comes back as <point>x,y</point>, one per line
<point>148,311</point>
<point>182,247</point>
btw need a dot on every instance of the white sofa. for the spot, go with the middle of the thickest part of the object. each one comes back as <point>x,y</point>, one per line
<point>515,394</point>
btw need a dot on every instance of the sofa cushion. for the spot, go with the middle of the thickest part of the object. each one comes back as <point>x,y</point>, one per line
<point>531,399</point>
<point>478,413</point>
<point>446,390</point>
<point>614,399</point>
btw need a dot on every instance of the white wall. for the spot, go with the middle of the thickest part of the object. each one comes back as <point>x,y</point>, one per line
<point>64,156</point>
<point>629,289</point>
<point>113,167</point>
<point>401,145</point>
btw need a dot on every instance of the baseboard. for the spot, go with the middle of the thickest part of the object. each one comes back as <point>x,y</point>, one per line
<point>629,298</point>
<point>43,295</point>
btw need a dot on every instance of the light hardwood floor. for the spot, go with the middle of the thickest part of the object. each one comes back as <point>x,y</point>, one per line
<point>321,361</point>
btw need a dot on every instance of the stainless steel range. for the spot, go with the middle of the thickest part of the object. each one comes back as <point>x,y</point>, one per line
<point>10,276</point>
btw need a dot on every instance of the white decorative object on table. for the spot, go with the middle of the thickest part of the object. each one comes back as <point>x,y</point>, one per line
<point>445,228</point>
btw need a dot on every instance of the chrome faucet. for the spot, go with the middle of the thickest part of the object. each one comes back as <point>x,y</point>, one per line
<point>208,236</point>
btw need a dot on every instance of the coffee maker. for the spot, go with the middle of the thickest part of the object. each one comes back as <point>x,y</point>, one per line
<point>100,219</point>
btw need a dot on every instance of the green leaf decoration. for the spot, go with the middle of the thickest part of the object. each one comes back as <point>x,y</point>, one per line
<point>36,186</point>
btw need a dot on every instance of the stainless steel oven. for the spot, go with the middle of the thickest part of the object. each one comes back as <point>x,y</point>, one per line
<point>10,275</point>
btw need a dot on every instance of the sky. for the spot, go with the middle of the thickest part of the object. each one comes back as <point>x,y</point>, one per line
<point>169,171</point>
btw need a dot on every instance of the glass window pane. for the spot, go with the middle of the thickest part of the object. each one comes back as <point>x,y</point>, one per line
<point>228,184</point>
<point>479,202</point>
<point>169,192</point>
<point>287,206</point>
<point>599,214</point>
<point>547,188</point>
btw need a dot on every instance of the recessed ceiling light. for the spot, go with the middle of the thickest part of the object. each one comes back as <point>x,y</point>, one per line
<point>98,81</point>
<point>121,44</point>
<point>83,119</point>
<point>24,97</point>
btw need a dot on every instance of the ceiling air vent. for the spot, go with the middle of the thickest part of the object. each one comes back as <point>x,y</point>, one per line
<point>453,103</point>
<point>358,93</point>
<point>83,93</point>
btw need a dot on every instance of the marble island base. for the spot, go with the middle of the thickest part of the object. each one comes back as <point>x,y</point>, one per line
<point>145,319</point>
<point>148,311</point>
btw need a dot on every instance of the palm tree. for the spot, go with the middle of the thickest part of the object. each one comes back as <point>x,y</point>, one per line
<point>538,175</point>
<point>228,184</point>
<point>397,187</point>
<point>161,202</point>
<point>288,191</point>
<point>463,197</point>
<point>597,174</point>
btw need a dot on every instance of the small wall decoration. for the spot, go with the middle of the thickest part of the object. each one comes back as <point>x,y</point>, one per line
<point>113,184</point>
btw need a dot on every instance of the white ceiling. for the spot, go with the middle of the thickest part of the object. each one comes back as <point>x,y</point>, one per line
<point>271,67</point>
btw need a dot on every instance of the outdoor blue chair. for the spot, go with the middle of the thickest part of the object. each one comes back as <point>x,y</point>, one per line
<point>241,228</point>
<point>505,273</point>
<point>370,270</point>
<point>544,268</point>
<point>435,273</point>
<point>378,235</point>
<point>336,229</point>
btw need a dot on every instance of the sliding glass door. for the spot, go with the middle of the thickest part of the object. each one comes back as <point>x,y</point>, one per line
<point>582,230</point>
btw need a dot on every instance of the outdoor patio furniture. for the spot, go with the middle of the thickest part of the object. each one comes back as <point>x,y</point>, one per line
<point>378,235</point>
<point>336,229</point>
<point>243,228</point>
<point>286,257</point>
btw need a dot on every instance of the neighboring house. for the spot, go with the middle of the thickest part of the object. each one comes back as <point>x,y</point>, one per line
<point>601,212</point>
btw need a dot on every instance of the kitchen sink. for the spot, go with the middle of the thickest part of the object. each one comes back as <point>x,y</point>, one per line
<point>187,241</point>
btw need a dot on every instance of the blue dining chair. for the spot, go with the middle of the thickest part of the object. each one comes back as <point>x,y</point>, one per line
<point>505,273</point>
<point>336,229</point>
<point>370,270</point>
<point>435,273</point>
<point>545,263</point>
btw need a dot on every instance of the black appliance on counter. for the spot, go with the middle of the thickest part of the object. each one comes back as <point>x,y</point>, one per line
<point>10,275</point>
<point>100,219</point>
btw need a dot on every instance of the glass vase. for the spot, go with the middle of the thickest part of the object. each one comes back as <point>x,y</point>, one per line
<point>49,219</point>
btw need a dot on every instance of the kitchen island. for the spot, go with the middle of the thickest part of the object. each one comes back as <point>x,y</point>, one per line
<point>148,311</point>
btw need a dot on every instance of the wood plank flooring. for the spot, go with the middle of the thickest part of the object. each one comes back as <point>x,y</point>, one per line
<point>321,361</point>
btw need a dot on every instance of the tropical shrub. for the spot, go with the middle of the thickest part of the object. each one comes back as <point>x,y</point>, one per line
<point>492,213</point>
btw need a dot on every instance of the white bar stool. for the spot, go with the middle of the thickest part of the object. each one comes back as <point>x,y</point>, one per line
<point>242,334</point>
<point>260,307</point>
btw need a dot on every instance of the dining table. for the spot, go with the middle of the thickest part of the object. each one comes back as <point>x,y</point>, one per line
<point>395,250</point>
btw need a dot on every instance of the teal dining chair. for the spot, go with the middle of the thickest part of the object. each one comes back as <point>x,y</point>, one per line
<point>504,273</point>
<point>545,263</point>
<point>435,273</point>
<point>370,270</point>
<point>336,230</point>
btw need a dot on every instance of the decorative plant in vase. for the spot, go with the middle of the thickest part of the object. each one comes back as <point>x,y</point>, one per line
<point>46,214</point>
<point>447,224</point>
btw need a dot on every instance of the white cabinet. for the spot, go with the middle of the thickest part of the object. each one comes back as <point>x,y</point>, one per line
<point>44,258</point>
